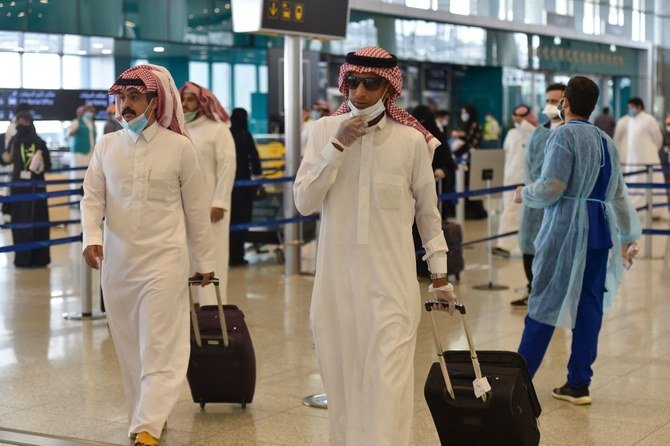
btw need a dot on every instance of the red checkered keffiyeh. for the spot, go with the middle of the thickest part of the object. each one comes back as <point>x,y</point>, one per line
<point>153,78</point>
<point>211,106</point>
<point>371,59</point>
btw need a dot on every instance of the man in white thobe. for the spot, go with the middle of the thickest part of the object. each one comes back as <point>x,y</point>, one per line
<point>208,124</point>
<point>144,180</point>
<point>368,170</point>
<point>644,141</point>
<point>514,144</point>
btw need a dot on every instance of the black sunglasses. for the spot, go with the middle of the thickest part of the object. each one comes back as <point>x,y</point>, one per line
<point>370,83</point>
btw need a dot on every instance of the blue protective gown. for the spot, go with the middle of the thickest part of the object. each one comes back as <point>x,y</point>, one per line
<point>533,157</point>
<point>573,154</point>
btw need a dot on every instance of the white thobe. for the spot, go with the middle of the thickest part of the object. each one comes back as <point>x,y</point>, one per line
<point>644,141</point>
<point>366,301</point>
<point>150,195</point>
<point>514,145</point>
<point>621,137</point>
<point>215,148</point>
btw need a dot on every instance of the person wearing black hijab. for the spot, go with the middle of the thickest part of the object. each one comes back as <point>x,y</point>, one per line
<point>444,166</point>
<point>248,164</point>
<point>29,156</point>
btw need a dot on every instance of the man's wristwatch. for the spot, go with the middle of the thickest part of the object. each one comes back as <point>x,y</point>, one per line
<point>435,276</point>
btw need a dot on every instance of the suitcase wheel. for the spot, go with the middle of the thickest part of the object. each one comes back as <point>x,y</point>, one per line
<point>244,404</point>
<point>202,404</point>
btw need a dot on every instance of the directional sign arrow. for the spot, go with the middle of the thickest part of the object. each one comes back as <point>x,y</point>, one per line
<point>273,9</point>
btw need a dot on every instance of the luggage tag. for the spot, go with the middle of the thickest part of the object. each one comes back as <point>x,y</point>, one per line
<point>481,386</point>
<point>25,175</point>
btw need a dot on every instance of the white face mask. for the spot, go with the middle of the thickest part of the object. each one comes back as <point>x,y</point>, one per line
<point>372,111</point>
<point>667,128</point>
<point>551,111</point>
<point>465,117</point>
<point>517,125</point>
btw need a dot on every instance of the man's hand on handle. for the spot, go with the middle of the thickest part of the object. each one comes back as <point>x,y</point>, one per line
<point>93,253</point>
<point>443,290</point>
<point>204,278</point>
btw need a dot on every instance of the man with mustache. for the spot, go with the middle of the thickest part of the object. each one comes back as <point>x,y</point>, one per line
<point>145,182</point>
<point>368,170</point>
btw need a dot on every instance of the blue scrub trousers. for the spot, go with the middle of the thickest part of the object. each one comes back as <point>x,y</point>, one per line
<point>536,335</point>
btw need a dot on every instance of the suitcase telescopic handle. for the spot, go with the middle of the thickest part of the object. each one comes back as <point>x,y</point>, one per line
<point>443,305</point>
<point>194,316</point>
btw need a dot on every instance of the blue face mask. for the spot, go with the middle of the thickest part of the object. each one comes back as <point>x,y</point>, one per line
<point>88,116</point>
<point>136,126</point>
<point>632,112</point>
<point>190,116</point>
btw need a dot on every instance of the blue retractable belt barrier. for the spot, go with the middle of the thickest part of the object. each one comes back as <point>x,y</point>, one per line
<point>273,223</point>
<point>244,183</point>
<point>39,195</point>
<point>39,183</point>
<point>39,224</point>
<point>40,244</point>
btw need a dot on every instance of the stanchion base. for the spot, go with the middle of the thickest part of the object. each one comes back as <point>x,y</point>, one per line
<point>79,316</point>
<point>490,287</point>
<point>320,401</point>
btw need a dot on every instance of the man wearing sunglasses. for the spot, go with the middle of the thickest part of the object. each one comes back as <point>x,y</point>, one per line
<point>367,169</point>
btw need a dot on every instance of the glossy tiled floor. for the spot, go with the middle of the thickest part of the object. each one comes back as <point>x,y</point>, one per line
<point>61,377</point>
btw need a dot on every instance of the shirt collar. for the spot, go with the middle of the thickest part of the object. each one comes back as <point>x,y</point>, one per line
<point>150,131</point>
<point>382,122</point>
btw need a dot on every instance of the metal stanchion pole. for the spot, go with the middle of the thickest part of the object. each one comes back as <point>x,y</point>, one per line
<point>460,187</point>
<point>87,312</point>
<point>489,246</point>
<point>439,192</point>
<point>649,217</point>
<point>292,109</point>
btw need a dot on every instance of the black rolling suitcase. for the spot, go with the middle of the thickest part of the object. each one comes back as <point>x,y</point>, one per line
<point>453,234</point>
<point>222,366</point>
<point>504,415</point>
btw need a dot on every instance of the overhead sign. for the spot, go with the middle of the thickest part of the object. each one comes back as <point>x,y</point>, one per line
<point>310,18</point>
<point>57,105</point>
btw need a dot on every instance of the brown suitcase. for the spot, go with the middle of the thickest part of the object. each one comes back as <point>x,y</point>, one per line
<point>222,366</point>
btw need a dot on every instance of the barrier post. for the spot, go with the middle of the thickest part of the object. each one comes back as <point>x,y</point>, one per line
<point>489,244</point>
<point>87,312</point>
<point>649,217</point>
<point>460,187</point>
<point>292,109</point>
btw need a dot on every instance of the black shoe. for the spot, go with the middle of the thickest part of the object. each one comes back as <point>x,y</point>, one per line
<point>242,262</point>
<point>520,303</point>
<point>500,252</point>
<point>575,395</point>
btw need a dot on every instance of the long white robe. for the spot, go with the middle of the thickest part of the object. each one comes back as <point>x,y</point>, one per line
<point>215,148</point>
<point>514,144</point>
<point>621,137</point>
<point>366,302</point>
<point>151,196</point>
<point>644,141</point>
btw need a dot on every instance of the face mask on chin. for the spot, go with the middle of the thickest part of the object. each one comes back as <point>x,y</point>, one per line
<point>372,111</point>
<point>190,116</point>
<point>136,125</point>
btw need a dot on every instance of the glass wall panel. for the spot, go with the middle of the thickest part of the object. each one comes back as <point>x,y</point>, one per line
<point>245,84</point>
<point>10,74</point>
<point>101,72</point>
<point>263,79</point>
<point>198,72</point>
<point>41,71</point>
<point>75,73</point>
<point>221,83</point>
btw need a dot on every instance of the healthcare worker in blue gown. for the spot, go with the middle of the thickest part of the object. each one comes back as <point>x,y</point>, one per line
<point>589,226</point>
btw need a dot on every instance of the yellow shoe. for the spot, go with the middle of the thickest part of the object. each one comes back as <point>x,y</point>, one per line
<point>146,439</point>
<point>134,434</point>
